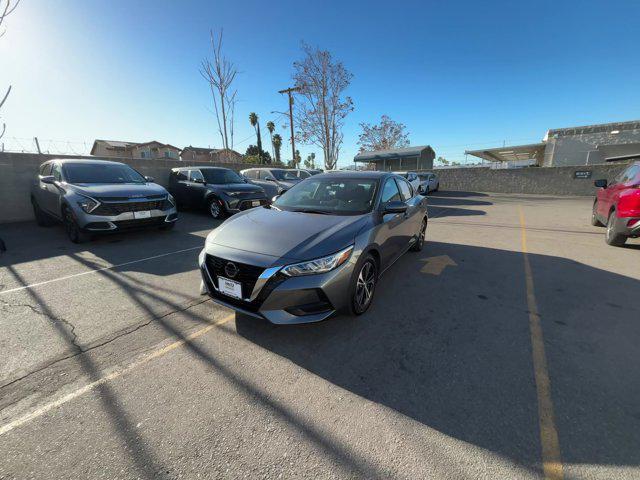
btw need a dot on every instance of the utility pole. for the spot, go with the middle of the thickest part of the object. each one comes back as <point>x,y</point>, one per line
<point>289,91</point>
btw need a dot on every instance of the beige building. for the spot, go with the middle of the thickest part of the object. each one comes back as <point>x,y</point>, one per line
<point>151,150</point>
<point>198,154</point>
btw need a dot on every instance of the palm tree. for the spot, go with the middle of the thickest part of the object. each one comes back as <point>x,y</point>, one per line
<point>253,120</point>
<point>271,127</point>
<point>277,143</point>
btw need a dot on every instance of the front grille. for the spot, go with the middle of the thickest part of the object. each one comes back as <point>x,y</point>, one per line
<point>116,208</point>
<point>247,204</point>
<point>139,223</point>
<point>253,306</point>
<point>247,274</point>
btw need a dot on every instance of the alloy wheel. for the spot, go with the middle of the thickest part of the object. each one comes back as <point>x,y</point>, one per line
<point>214,209</point>
<point>365,286</point>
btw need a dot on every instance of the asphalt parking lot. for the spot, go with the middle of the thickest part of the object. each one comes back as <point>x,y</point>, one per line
<point>507,348</point>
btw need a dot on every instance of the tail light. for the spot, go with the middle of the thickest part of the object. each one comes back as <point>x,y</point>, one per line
<point>633,223</point>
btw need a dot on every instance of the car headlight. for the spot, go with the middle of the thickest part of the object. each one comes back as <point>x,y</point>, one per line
<point>88,204</point>
<point>172,200</point>
<point>319,265</point>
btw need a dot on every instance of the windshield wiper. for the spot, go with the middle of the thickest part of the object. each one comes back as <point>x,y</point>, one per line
<point>310,210</point>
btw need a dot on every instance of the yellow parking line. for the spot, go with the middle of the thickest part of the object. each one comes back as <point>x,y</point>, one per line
<point>551,462</point>
<point>111,376</point>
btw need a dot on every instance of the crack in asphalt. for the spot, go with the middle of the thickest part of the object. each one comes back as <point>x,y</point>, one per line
<point>79,349</point>
<point>51,318</point>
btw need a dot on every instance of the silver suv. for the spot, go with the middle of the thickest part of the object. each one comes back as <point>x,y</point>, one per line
<point>98,196</point>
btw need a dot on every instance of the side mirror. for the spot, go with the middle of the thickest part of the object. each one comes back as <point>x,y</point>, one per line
<point>199,180</point>
<point>602,183</point>
<point>48,179</point>
<point>421,189</point>
<point>275,197</point>
<point>270,179</point>
<point>150,179</point>
<point>395,207</point>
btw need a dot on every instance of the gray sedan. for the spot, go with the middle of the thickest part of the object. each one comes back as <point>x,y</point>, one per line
<point>319,249</point>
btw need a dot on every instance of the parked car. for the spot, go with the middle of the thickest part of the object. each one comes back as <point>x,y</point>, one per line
<point>275,181</point>
<point>429,182</point>
<point>318,249</point>
<point>412,178</point>
<point>221,191</point>
<point>617,206</point>
<point>97,196</point>
<point>303,173</point>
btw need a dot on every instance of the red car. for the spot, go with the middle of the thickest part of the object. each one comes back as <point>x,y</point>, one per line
<point>618,206</point>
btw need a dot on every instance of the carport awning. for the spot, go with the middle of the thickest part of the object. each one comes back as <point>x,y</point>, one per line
<point>533,151</point>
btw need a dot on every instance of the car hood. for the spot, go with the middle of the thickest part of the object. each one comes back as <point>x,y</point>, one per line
<point>283,234</point>
<point>118,190</point>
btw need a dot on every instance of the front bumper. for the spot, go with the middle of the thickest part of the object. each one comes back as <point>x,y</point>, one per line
<point>276,297</point>
<point>238,204</point>
<point>125,220</point>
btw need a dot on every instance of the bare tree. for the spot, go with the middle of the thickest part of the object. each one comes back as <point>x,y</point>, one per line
<point>321,82</point>
<point>384,136</point>
<point>6,8</point>
<point>220,72</point>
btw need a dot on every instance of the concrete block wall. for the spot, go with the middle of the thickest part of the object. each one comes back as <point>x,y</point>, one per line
<point>17,171</point>
<point>548,181</point>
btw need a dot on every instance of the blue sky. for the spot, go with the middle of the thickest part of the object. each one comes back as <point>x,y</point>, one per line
<point>460,75</point>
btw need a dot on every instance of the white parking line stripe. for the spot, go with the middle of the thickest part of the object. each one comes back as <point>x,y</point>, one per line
<point>113,375</point>
<point>110,267</point>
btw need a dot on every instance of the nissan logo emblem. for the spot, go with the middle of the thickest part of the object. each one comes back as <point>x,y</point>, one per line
<point>231,269</point>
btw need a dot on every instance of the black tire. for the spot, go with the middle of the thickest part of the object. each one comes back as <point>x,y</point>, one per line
<point>74,232</point>
<point>419,243</point>
<point>42,219</point>
<point>611,237</point>
<point>363,286</point>
<point>594,217</point>
<point>215,209</point>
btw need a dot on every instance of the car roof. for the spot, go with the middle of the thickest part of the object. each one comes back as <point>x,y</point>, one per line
<point>354,174</point>
<point>84,161</point>
<point>199,167</point>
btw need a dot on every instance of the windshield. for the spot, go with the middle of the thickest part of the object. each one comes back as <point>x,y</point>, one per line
<point>97,173</point>
<point>284,175</point>
<point>337,196</point>
<point>221,176</point>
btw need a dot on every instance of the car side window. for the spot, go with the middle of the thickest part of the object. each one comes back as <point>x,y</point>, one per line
<point>195,175</point>
<point>405,189</point>
<point>264,174</point>
<point>181,175</point>
<point>57,172</point>
<point>390,192</point>
<point>631,173</point>
<point>45,169</point>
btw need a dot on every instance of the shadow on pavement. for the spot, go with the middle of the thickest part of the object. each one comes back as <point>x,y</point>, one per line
<point>26,242</point>
<point>453,352</point>
<point>145,461</point>
<point>436,211</point>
